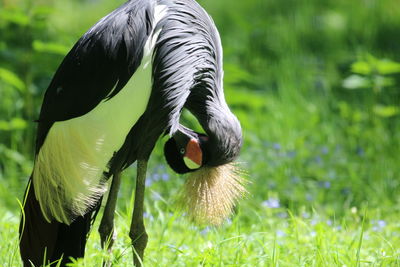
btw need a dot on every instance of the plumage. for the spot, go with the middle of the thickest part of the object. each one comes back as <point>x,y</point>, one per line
<point>97,118</point>
<point>68,173</point>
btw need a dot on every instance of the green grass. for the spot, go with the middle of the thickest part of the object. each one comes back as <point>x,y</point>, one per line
<point>314,200</point>
<point>322,162</point>
<point>259,236</point>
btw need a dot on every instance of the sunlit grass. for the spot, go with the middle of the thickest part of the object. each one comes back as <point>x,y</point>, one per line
<point>324,169</point>
<point>311,191</point>
<point>254,237</point>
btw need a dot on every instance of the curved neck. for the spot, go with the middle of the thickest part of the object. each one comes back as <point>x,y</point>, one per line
<point>222,127</point>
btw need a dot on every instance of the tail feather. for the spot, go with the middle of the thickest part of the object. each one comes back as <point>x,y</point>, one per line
<point>43,242</point>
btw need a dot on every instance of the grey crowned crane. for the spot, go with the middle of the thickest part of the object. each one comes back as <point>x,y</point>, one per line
<point>96,120</point>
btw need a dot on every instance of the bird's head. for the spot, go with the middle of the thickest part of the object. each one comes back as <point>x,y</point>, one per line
<point>186,151</point>
<point>215,183</point>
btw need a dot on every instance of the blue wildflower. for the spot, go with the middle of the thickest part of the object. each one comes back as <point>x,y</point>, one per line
<point>280,233</point>
<point>291,154</point>
<point>360,151</point>
<point>381,223</point>
<point>148,216</point>
<point>205,231</point>
<point>318,159</point>
<point>156,177</point>
<point>276,146</point>
<point>165,177</point>
<point>324,184</point>
<point>295,179</point>
<point>272,203</point>
<point>148,182</point>
<point>346,191</point>
<point>378,225</point>
<point>324,150</point>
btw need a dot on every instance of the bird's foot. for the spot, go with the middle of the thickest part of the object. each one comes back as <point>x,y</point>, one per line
<point>139,242</point>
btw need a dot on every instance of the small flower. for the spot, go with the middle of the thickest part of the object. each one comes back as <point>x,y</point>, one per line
<point>276,146</point>
<point>295,179</point>
<point>148,216</point>
<point>165,177</point>
<point>360,151</point>
<point>280,233</point>
<point>205,231</point>
<point>156,177</point>
<point>381,223</point>
<point>346,191</point>
<point>324,150</point>
<point>207,246</point>
<point>291,154</point>
<point>272,203</point>
<point>309,197</point>
<point>378,225</point>
<point>325,184</point>
<point>148,182</point>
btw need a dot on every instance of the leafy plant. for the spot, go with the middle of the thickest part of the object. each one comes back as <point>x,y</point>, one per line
<point>376,75</point>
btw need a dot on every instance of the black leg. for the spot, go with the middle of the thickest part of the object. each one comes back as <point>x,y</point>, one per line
<point>106,229</point>
<point>137,232</point>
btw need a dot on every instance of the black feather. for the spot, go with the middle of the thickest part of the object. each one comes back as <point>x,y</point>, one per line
<point>56,240</point>
<point>98,66</point>
<point>187,73</point>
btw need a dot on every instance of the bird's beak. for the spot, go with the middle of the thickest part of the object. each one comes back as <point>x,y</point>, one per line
<point>193,157</point>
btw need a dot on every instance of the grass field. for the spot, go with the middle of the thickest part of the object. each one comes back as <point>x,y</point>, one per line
<point>316,86</point>
<point>316,202</point>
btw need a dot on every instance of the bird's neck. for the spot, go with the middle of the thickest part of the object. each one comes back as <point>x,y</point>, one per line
<point>221,126</point>
<point>225,136</point>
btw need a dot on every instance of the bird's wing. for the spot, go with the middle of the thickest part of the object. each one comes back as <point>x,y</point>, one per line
<point>97,67</point>
<point>85,116</point>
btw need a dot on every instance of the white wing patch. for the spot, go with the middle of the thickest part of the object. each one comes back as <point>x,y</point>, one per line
<point>69,167</point>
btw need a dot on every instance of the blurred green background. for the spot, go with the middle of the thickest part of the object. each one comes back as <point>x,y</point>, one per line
<point>315,84</point>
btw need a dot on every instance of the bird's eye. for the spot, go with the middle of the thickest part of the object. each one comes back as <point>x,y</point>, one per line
<point>182,151</point>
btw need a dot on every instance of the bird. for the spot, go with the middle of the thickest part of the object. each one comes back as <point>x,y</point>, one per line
<point>121,88</point>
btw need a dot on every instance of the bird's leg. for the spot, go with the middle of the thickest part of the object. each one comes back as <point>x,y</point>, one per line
<point>137,232</point>
<point>106,229</point>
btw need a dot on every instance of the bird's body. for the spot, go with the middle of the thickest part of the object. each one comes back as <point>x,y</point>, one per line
<point>76,152</point>
<point>117,91</point>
